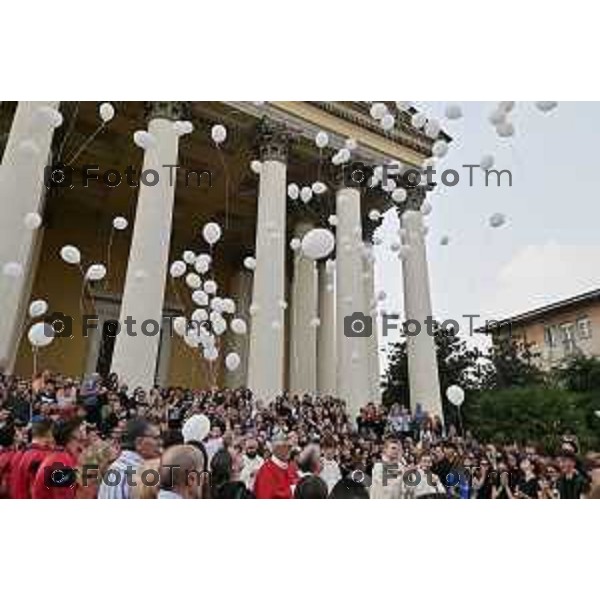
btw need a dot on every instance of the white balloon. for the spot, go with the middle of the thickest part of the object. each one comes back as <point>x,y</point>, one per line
<point>403,105</point>
<point>210,287</point>
<point>144,140</point>
<point>38,308</point>
<point>318,243</point>
<point>219,326</point>
<point>191,339</point>
<point>546,105</point>
<point>453,111</point>
<point>455,394</point>
<point>314,322</point>
<point>256,166</point>
<point>183,127</point>
<point>387,122</point>
<point>505,129</point>
<point>202,263</point>
<point>106,111</point>
<point>332,220</point>
<point>344,155</point>
<point>193,281</point>
<point>318,187</point>
<point>199,316</point>
<point>232,361</point>
<point>306,194</point>
<point>51,116</point>
<point>238,326</point>
<point>180,325</point>
<point>399,195</point>
<point>32,221</point>
<point>70,254</point>
<point>486,162</point>
<point>506,106</point>
<point>321,139</point>
<point>418,120</point>
<point>432,128</point>
<point>390,185</point>
<point>12,269</point>
<point>200,298</point>
<point>211,353</point>
<point>497,220</point>
<point>217,304</point>
<point>120,223</point>
<point>374,215</point>
<point>293,191</point>
<point>351,144</point>
<point>295,244</point>
<point>196,429</point>
<point>440,148</point>
<point>177,269</point>
<point>250,263</point>
<point>378,110</point>
<point>189,257</point>
<point>218,134</point>
<point>96,272</point>
<point>497,116</point>
<point>211,233</point>
<point>40,334</point>
<point>228,306</point>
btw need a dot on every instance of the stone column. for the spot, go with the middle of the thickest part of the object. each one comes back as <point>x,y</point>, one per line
<point>422,359</point>
<point>265,366</point>
<point>372,340</point>
<point>303,332</point>
<point>134,358</point>
<point>352,374</point>
<point>21,191</point>
<point>241,292</point>
<point>326,335</point>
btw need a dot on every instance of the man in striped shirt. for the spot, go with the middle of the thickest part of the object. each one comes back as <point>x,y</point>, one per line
<point>141,442</point>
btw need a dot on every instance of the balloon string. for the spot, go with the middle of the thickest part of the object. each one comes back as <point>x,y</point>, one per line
<point>86,143</point>
<point>69,133</point>
<point>226,172</point>
<point>108,256</point>
<point>84,284</point>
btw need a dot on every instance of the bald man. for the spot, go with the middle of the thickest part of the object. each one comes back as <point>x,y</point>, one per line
<point>182,472</point>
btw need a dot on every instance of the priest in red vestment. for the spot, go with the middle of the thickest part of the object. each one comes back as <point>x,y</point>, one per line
<point>277,477</point>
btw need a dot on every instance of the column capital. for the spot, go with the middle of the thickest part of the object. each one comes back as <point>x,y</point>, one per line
<point>273,141</point>
<point>173,110</point>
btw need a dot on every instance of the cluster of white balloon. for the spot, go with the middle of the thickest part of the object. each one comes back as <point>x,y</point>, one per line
<point>207,322</point>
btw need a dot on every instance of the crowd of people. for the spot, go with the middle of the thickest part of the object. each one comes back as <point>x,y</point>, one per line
<point>64,438</point>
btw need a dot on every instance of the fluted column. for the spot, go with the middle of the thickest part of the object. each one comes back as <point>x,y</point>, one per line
<point>22,191</point>
<point>326,334</point>
<point>134,358</point>
<point>422,359</point>
<point>265,366</point>
<point>241,292</point>
<point>352,373</point>
<point>373,340</point>
<point>303,333</point>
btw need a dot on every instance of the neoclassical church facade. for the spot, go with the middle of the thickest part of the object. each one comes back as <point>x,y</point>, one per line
<point>294,306</point>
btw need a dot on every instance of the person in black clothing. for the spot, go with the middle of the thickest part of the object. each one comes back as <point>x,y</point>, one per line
<point>571,485</point>
<point>528,486</point>
<point>311,487</point>
<point>223,485</point>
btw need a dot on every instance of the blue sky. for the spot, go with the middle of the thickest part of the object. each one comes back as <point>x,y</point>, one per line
<point>549,247</point>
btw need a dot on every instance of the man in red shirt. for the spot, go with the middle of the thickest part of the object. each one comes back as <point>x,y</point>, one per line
<point>56,476</point>
<point>26,467</point>
<point>7,454</point>
<point>277,476</point>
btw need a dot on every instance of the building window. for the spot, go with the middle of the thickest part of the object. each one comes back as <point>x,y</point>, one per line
<point>568,336</point>
<point>550,336</point>
<point>584,328</point>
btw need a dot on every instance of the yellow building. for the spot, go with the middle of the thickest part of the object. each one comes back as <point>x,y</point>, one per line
<point>294,307</point>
